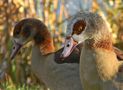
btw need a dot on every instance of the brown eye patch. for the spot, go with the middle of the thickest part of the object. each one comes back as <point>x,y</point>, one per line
<point>78,27</point>
<point>16,31</point>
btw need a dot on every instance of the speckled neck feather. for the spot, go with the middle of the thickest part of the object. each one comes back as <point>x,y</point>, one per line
<point>103,44</point>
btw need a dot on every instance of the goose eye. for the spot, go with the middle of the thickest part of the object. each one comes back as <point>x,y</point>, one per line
<point>78,27</point>
<point>68,44</point>
<point>17,32</point>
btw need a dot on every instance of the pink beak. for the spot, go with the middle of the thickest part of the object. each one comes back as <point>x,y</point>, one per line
<point>69,46</point>
<point>15,49</point>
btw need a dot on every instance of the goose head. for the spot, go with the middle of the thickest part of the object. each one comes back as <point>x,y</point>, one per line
<point>82,28</point>
<point>31,29</point>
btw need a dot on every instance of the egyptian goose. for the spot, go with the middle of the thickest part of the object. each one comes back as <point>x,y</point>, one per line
<point>99,67</point>
<point>46,64</point>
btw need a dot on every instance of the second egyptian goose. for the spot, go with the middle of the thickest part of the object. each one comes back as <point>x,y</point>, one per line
<point>46,63</point>
<point>99,67</point>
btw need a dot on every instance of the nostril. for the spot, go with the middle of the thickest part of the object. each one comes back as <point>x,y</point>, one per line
<point>14,47</point>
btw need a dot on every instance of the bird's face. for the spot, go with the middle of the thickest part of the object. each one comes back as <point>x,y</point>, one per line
<point>74,37</point>
<point>27,30</point>
<point>80,28</point>
<point>21,35</point>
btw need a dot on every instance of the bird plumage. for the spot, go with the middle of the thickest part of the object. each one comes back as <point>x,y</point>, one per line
<point>99,66</point>
<point>46,62</point>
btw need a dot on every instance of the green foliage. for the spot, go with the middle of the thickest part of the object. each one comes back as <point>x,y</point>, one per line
<point>8,86</point>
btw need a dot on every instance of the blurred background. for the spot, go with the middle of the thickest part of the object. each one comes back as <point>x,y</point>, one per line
<point>54,13</point>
